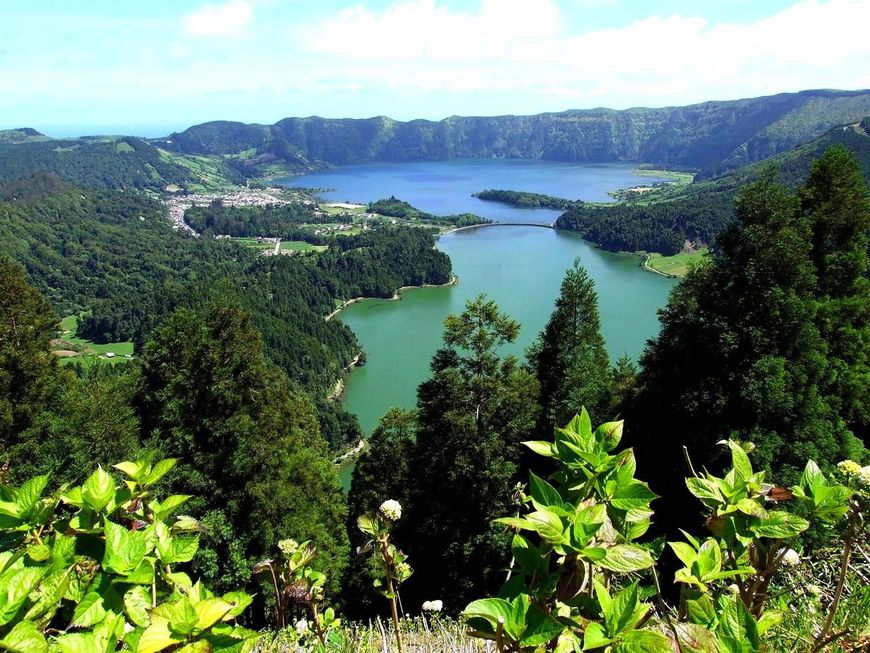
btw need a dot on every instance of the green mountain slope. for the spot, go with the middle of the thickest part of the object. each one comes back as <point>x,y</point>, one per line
<point>663,221</point>
<point>721,135</point>
<point>108,162</point>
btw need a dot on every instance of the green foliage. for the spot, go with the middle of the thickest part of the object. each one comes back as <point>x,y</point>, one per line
<point>295,582</point>
<point>576,578</point>
<point>473,414</point>
<point>570,358</point>
<point>125,163</point>
<point>248,442</point>
<point>524,199</point>
<point>27,368</point>
<point>394,566</point>
<point>398,209</point>
<point>93,568</point>
<point>768,342</point>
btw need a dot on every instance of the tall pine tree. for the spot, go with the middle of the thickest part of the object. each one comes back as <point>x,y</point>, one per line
<point>570,359</point>
<point>768,343</point>
<point>473,414</point>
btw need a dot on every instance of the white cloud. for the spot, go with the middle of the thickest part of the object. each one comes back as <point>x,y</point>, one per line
<point>228,19</point>
<point>528,46</point>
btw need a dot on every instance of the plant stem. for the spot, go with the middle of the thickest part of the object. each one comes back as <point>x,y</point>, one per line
<point>664,608</point>
<point>821,639</point>
<point>317,627</point>
<point>388,560</point>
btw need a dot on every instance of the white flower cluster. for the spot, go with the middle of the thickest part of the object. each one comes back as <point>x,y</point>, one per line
<point>301,626</point>
<point>432,606</point>
<point>288,547</point>
<point>791,558</point>
<point>391,510</point>
<point>851,468</point>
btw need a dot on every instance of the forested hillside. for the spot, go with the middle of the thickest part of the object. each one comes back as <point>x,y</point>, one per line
<point>723,135</point>
<point>123,162</point>
<point>113,256</point>
<point>663,221</point>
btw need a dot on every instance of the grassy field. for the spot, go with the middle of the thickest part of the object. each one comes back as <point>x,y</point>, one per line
<point>301,246</point>
<point>679,264</point>
<point>87,352</point>
<point>208,169</point>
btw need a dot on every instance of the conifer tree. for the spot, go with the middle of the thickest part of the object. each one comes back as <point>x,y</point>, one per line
<point>248,444</point>
<point>570,359</point>
<point>474,412</point>
<point>769,342</point>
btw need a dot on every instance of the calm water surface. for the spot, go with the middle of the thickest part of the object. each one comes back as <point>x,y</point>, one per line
<point>520,267</point>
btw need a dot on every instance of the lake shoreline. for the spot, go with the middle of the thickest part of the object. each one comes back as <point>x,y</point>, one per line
<point>397,294</point>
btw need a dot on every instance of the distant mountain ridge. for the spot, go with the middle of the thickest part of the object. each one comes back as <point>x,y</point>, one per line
<point>714,136</point>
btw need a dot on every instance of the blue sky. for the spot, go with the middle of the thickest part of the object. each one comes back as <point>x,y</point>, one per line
<point>87,66</point>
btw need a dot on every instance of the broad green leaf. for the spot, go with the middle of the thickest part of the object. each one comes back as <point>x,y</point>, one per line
<point>696,639</point>
<point>24,638</point>
<point>143,574</point>
<point>29,493</point>
<point>367,524</point>
<point>707,490</point>
<point>98,490</point>
<point>162,509</point>
<point>15,585</point>
<point>542,492</point>
<point>644,641</point>
<point>780,525</point>
<point>623,609</point>
<point>157,637</point>
<point>739,459</point>
<point>124,549</point>
<point>489,611</point>
<point>812,476</point>
<point>684,552</point>
<point>609,434</point>
<point>603,596</point>
<point>160,469</point>
<point>632,495</point>
<point>73,497</point>
<point>547,524</point>
<point>89,611</point>
<point>179,549</point>
<point>624,558</point>
<point>699,608</point>
<point>76,643</point>
<point>200,646</point>
<point>768,620</point>
<point>181,615</point>
<point>47,596</point>
<point>238,601</point>
<point>131,469</point>
<point>210,611</point>
<point>709,560</point>
<point>541,447</point>
<point>735,622</point>
<point>38,552</point>
<point>595,637</point>
<point>540,628</point>
<point>137,604</point>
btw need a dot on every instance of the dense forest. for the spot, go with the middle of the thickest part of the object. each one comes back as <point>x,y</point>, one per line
<point>396,208</point>
<point>524,199</point>
<point>113,257</point>
<point>753,400</point>
<point>699,212</point>
<point>123,162</point>
<point>724,135</point>
<point>277,221</point>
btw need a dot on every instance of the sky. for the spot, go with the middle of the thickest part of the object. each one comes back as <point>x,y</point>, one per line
<point>71,67</point>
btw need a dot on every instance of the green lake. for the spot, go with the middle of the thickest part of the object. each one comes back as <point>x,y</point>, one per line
<point>520,267</point>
